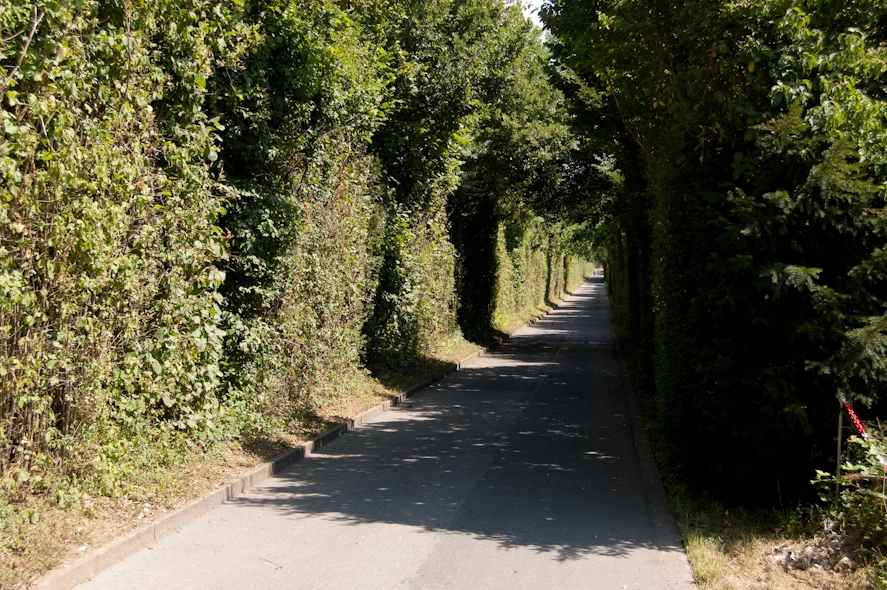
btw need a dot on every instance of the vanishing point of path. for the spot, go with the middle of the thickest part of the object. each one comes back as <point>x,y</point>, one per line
<point>528,469</point>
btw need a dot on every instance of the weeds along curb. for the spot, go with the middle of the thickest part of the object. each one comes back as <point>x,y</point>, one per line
<point>69,575</point>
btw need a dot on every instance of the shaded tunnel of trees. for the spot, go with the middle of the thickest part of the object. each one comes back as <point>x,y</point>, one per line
<point>216,213</point>
<point>744,233</point>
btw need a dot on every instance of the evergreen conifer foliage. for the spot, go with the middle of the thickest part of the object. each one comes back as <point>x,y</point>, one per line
<point>751,135</point>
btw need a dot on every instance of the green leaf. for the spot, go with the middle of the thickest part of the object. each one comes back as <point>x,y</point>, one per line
<point>158,368</point>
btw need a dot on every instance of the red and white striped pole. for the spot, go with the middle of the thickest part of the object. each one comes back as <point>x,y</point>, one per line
<point>858,423</point>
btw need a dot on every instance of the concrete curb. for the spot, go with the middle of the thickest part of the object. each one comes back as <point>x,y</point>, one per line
<point>69,575</point>
<point>670,545</point>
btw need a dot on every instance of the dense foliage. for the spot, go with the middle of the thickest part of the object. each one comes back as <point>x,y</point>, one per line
<point>109,313</point>
<point>745,227</point>
<point>214,215</point>
<point>300,204</point>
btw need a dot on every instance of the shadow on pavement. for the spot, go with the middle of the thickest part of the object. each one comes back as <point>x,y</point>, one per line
<point>531,447</point>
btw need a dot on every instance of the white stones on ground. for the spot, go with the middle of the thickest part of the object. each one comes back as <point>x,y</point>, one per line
<point>824,552</point>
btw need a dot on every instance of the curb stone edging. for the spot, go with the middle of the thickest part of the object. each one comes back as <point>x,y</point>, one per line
<point>671,549</point>
<point>69,575</point>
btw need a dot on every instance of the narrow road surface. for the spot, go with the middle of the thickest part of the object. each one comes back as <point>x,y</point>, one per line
<point>527,469</point>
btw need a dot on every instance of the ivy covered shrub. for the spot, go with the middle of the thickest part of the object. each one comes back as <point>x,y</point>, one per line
<point>415,304</point>
<point>213,214</point>
<point>536,267</point>
<point>109,316</point>
<point>304,205</point>
<point>523,271</point>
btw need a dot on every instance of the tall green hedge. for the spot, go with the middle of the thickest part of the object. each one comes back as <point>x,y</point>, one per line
<point>745,238</point>
<point>303,211</point>
<point>214,213</point>
<point>535,269</point>
<point>109,313</point>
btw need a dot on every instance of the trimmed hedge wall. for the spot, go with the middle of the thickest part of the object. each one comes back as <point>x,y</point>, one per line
<point>213,214</point>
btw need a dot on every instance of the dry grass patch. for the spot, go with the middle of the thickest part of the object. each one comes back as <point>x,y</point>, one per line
<point>749,565</point>
<point>512,324</point>
<point>738,549</point>
<point>67,533</point>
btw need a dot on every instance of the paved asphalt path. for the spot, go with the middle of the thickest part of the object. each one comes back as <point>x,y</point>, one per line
<point>526,469</point>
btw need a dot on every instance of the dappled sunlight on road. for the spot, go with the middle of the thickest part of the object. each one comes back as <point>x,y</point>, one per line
<point>519,471</point>
<point>537,425</point>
